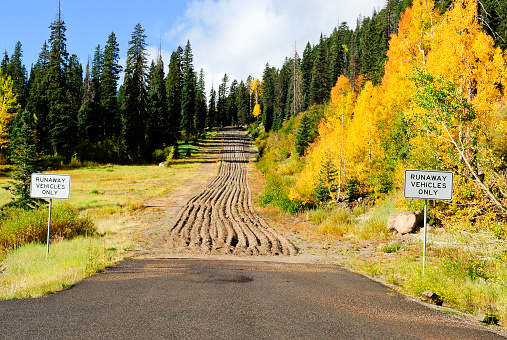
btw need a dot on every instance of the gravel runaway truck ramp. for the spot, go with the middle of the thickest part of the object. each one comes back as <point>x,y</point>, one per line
<point>221,219</point>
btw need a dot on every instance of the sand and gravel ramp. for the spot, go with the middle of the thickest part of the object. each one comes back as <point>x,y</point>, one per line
<point>220,219</point>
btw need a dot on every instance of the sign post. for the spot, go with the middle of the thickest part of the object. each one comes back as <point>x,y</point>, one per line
<point>428,185</point>
<point>50,186</point>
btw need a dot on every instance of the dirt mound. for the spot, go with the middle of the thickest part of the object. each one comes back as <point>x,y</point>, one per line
<point>221,219</point>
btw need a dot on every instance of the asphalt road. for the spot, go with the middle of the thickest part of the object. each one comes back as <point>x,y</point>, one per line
<point>210,299</point>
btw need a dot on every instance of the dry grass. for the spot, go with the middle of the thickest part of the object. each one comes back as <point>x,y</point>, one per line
<point>109,195</point>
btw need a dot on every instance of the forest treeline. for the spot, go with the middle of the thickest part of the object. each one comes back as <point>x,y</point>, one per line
<point>361,104</point>
<point>81,113</point>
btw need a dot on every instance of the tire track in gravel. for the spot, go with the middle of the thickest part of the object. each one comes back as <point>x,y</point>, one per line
<point>221,218</point>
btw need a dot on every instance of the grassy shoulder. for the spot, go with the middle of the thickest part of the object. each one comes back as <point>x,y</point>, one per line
<point>105,196</point>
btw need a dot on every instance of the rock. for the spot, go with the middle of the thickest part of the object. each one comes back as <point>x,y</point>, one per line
<point>161,164</point>
<point>405,222</point>
<point>430,296</point>
<point>490,317</point>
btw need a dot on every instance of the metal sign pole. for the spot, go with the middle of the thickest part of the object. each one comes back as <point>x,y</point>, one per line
<point>425,230</point>
<point>49,227</point>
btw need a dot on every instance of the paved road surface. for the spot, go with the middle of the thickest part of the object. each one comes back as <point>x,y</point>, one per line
<point>216,299</point>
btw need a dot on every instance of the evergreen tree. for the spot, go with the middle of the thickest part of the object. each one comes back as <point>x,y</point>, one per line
<point>232,108</point>
<point>374,47</point>
<point>303,135</point>
<point>60,133</point>
<point>296,86</point>
<point>269,97</point>
<point>4,65</point>
<point>74,88</point>
<point>173,91</point>
<point>306,70</point>
<point>134,96</point>
<point>17,71</point>
<point>188,93</point>
<point>243,104</point>
<point>336,54</point>
<point>326,185</point>
<point>222,114</point>
<point>111,122</point>
<point>24,158</point>
<point>212,120</point>
<point>318,87</point>
<point>85,121</point>
<point>38,102</point>
<point>157,123</point>
<point>282,108</point>
<point>97,68</point>
<point>200,116</point>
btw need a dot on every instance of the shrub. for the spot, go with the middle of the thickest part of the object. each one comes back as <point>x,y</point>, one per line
<point>52,162</point>
<point>276,193</point>
<point>25,226</point>
<point>391,247</point>
<point>161,155</point>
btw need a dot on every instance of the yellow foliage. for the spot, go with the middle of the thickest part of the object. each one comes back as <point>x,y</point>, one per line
<point>8,108</point>
<point>462,52</point>
<point>257,111</point>
<point>256,90</point>
<point>452,47</point>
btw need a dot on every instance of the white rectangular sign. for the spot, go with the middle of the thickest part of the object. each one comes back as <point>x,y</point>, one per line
<point>428,184</point>
<point>50,186</point>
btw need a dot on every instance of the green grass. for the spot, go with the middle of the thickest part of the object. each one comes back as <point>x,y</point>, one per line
<point>108,196</point>
<point>27,272</point>
<point>25,226</point>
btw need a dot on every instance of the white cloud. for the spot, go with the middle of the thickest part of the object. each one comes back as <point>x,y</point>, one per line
<point>239,37</point>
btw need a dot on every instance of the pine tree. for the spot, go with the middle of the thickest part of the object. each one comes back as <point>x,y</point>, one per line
<point>97,68</point>
<point>85,121</point>
<point>134,96</point>
<point>269,97</point>
<point>24,158</point>
<point>17,71</point>
<point>60,133</point>
<point>326,186</point>
<point>38,102</point>
<point>157,123</point>
<point>336,54</point>
<point>306,70</point>
<point>173,91</point>
<point>74,88</point>
<point>222,114</point>
<point>212,120</point>
<point>296,86</point>
<point>4,65</point>
<point>232,108</point>
<point>188,93</point>
<point>303,135</point>
<point>200,116</point>
<point>318,86</point>
<point>243,104</point>
<point>111,122</point>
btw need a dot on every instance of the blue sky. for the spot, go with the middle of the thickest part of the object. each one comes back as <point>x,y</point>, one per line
<point>237,37</point>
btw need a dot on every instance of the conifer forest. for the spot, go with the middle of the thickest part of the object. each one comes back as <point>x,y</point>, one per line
<point>421,84</point>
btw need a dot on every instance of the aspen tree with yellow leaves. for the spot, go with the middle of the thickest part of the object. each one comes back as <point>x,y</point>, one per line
<point>456,106</point>
<point>8,108</point>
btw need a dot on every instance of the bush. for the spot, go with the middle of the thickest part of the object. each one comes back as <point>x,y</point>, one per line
<point>52,162</point>
<point>276,193</point>
<point>25,226</point>
<point>160,155</point>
